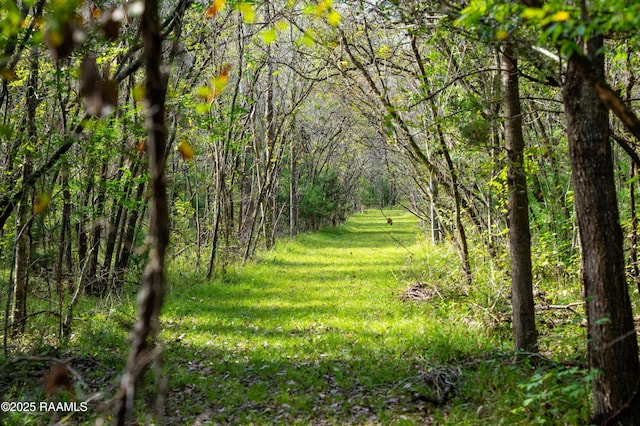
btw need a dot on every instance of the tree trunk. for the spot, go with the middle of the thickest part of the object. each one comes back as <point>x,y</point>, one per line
<point>126,249</point>
<point>23,216</point>
<point>524,321</point>
<point>217,207</point>
<point>22,260</point>
<point>453,173</point>
<point>633,255</point>
<point>65,257</point>
<point>436,232</point>
<point>152,289</point>
<point>96,284</point>
<point>612,343</point>
<point>115,222</point>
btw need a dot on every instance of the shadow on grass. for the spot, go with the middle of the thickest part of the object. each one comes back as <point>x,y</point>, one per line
<point>262,390</point>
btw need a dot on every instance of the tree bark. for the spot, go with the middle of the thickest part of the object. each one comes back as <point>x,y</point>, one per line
<point>524,321</point>
<point>23,216</point>
<point>612,343</point>
<point>152,290</point>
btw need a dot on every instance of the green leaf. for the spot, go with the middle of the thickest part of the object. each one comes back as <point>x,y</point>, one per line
<point>534,13</point>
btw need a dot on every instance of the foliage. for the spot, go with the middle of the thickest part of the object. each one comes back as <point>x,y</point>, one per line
<point>549,393</point>
<point>286,117</point>
<point>314,330</point>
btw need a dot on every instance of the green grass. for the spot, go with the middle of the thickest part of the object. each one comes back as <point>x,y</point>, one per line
<point>314,332</point>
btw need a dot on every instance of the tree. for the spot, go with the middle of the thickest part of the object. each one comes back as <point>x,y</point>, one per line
<point>524,322</point>
<point>612,344</point>
<point>151,295</point>
<point>586,95</point>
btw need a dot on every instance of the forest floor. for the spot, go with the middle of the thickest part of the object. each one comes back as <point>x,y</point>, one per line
<point>327,328</point>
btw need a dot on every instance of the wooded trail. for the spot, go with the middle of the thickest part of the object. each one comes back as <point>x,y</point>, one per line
<point>313,332</point>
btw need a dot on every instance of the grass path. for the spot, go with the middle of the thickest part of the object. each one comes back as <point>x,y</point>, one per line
<point>313,332</point>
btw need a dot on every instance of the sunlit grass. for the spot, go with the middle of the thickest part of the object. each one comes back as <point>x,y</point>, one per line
<point>314,331</point>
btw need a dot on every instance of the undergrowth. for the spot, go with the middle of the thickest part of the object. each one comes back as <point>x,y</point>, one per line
<point>317,331</point>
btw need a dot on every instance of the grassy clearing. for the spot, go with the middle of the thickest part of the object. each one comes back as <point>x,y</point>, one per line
<point>314,332</point>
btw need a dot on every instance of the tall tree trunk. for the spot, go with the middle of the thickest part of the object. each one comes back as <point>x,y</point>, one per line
<point>293,188</point>
<point>524,321</point>
<point>115,221</point>
<point>152,290</point>
<point>22,260</point>
<point>217,206</point>
<point>65,257</point>
<point>612,343</point>
<point>23,216</point>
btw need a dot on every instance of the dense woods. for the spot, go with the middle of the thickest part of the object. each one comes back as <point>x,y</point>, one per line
<point>147,142</point>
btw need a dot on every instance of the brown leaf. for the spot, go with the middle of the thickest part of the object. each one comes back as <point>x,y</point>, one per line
<point>100,95</point>
<point>111,20</point>
<point>89,77</point>
<point>9,74</point>
<point>63,37</point>
<point>109,90</point>
<point>141,146</point>
<point>58,379</point>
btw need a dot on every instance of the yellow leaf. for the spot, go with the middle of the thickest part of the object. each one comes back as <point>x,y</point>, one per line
<point>205,93</point>
<point>269,35</point>
<point>323,6</point>
<point>203,108</point>
<point>139,92</point>
<point>186,150</point>
<point>334,18</point>
<point>215,8</point>
<point>248,12</point>
<point>41,203</point>
<point>563,15</point>
<point>502,35</point>
<point>282,25</point>
<point>307,39</point>
<point>384,52</point>
<point>220,82</point>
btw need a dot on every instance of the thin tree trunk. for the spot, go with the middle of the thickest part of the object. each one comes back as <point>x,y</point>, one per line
<point>96,284</point>
<point>453,174</point>
<point>152,290</point>
<point>292,187</point>
<point>635,270</point>
<point>23,216</point>
<point>22,260</point>
<point>524,321</point>
<point>217,214</point>
<point>116,218</point>
<point>129,236</point>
